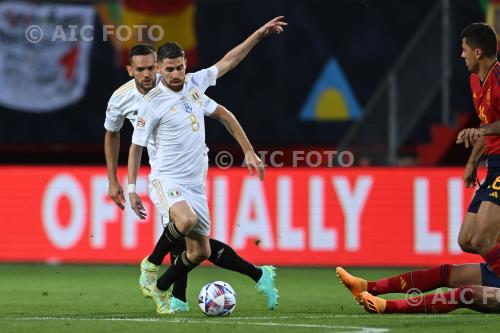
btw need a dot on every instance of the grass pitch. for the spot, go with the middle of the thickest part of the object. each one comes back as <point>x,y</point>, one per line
<point>75,298</point>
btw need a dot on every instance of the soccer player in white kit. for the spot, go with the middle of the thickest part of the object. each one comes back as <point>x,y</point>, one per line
<point>172,113</point>
<point>124,104</point>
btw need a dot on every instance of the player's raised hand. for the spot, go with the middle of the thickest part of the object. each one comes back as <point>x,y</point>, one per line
<point>115,192</point>
<point>468,136</point>
<point>136,205</point>
<point>275,26</point>
<point>253,161</point>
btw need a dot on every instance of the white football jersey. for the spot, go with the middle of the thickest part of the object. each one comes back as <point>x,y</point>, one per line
<point>124,103</point>
<point>175,121</point>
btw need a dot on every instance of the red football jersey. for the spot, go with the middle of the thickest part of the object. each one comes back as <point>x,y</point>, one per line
<point>486,98</point>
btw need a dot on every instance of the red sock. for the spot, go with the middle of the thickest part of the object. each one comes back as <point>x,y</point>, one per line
<point>431,303</point>
<point>493,259</point>
<point>424,280</point>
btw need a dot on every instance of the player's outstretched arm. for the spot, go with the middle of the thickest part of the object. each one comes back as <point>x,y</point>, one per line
<point>236,55</point>
<point>134,160</point>
<point>111,152</point>
<point>231,123</point>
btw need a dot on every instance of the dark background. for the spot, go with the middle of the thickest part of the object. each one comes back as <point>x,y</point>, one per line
<point>267,90</point>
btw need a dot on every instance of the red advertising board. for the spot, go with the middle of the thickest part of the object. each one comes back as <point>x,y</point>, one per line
<point>301,216</point>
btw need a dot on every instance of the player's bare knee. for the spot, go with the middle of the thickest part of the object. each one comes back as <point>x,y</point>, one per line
<point>483,243</point>
<point>464,241</point>
<point>185,221</point>
<point>465,245</point>
<point>465,234</point>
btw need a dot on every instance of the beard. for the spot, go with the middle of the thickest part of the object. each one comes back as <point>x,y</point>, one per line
<point>147,86</point>
<point>177,86</point>
<point>148,83</point>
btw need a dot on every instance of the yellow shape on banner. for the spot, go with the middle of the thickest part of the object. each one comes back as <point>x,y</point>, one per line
<point>331,105</point>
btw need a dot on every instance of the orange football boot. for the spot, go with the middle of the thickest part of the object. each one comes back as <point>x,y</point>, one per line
<point>355,285</point>
<point>373,304</point>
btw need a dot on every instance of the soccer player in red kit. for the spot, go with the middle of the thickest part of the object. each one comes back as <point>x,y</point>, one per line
<point>481,227</point>
<point>474,286</point>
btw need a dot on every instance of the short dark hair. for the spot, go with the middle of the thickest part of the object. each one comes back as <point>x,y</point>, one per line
<point>170,50</point>
<point>481,36</point>
<point>140,49</point>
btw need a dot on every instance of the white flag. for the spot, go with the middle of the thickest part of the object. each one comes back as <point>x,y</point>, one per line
<point>44,55</point>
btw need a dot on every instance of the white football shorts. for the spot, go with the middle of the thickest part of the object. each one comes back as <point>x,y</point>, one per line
<point>164,193</point>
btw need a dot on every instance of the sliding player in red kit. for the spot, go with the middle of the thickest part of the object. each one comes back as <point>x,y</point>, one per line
<point>474,286</point>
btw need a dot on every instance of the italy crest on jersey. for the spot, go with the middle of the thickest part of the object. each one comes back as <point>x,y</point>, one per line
<point>186,106</point>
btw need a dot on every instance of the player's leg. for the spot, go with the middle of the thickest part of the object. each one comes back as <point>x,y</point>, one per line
<point>485,299</point>
<point>429,303</point>
<point>459,276</point>
<point>150,265</point>
<point>224,256</point>
<point>198,249</point>
<point>183,220</point>
<point>191,209</point>
<point>465,275</point>
<point>171,235</point>
<point>478,298</point>
<point>198,201</point>
<point>178,300</point>
<point>423,280</point>
<point>485,234</point>
<point>173,207</point>
<point>465,234</point>
<point>197,245</point>
<point>356,285</point>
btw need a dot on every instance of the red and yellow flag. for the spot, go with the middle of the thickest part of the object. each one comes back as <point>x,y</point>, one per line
<point>175,17</point>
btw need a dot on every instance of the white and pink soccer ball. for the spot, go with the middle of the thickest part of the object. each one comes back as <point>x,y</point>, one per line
<point>217,299</point>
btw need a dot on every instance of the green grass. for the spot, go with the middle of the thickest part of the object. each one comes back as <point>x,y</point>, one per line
<point>39,298</point>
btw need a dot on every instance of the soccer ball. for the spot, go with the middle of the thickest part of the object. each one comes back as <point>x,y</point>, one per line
<point>217,299</point>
